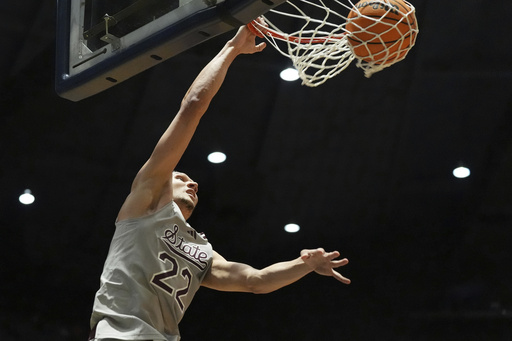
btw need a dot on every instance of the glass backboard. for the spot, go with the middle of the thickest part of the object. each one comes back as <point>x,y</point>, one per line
<point>101,43</point>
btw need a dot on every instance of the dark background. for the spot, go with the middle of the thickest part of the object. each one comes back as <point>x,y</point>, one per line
<point>363,165</point>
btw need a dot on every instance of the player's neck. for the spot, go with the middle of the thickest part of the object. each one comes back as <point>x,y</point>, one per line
<point>185,208</point>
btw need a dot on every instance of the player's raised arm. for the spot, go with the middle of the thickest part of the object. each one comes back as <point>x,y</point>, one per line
<point>149,191</point>
<point>176,138</point>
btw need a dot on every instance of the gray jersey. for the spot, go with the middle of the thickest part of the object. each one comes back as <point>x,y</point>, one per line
<point>154,267</point>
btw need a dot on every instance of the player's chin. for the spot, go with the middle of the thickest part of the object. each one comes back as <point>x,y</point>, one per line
<point>193,204</point>
<point>187,202</point>
<point>194,200</point>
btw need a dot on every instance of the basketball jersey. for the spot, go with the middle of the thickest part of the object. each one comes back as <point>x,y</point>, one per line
<point>154,267</point>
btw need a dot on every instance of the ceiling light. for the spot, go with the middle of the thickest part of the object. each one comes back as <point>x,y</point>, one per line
<point>217,157</point>
<point>291,228</point>
<point>27,198</point>
<point>290,74</point>
<point>461,172</point>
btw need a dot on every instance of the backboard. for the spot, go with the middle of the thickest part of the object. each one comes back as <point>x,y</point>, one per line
<point>103,43</point>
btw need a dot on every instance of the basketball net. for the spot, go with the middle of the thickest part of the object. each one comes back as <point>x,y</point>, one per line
<point>319,48</point>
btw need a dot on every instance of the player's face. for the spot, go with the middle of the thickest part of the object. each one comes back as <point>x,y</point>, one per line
<point>184,191</point>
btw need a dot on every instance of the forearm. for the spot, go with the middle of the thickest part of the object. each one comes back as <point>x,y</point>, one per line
<point>210,79</point>
<point>208,82</point>
<point>277,276</point>
<point>176,138</point>
<point>234,276</point>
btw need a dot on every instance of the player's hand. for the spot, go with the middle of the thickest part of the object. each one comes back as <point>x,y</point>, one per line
<point>245,41</point>
<point>324,263</point>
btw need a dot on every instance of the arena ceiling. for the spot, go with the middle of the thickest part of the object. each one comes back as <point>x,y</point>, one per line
<point>363,165</point>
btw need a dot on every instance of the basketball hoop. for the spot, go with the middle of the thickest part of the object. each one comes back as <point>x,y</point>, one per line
<point>325,36</point>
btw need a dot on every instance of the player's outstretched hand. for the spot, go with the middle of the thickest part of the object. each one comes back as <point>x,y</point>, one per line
<point>324,263</point>
<point>245,42</point>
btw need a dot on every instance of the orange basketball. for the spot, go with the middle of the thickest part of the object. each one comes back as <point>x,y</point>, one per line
<point>381,31</point>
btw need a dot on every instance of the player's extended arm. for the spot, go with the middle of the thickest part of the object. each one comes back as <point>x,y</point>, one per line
<point>231,276</point>
<point>157,170</point>
<point>176,138</point>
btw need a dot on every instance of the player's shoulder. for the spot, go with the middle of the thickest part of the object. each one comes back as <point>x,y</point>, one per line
<point>140,203</point>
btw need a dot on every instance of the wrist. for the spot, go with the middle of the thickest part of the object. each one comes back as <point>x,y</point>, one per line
<point>229,52</point>
<point>304,264</point>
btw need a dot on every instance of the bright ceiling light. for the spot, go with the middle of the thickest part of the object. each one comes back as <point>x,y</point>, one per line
<point>461,172</point>
<point>27,198</point>
<point>291,228</point>
<point>217,157</point>
<point>289,74</point>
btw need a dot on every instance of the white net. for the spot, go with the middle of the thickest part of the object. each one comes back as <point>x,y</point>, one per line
<point>322,39</point>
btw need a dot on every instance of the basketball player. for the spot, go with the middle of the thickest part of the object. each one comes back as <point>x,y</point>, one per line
<point>157,261</point>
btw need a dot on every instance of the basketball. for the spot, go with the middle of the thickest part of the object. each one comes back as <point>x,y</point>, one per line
<point>381,31</point>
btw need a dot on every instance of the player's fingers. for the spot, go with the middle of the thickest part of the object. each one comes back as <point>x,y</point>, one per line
<point>340,277</point>
<point>332,255</point>
<point>339,262</point>
<point>262,22</point>
<point>305,256</point>
<point>312,253</point>
<point>261,46</point>
<point>317,252</point>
